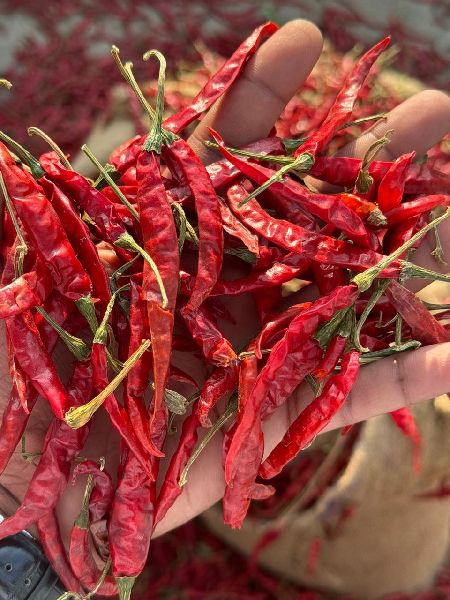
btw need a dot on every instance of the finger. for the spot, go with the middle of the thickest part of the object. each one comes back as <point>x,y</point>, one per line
<point>417,123</point>
<point>270,79</point>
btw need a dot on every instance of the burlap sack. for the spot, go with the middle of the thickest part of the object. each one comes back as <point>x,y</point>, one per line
<point>393,541</point>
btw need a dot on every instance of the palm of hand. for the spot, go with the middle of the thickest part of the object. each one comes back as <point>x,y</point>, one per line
<point>246,114</point>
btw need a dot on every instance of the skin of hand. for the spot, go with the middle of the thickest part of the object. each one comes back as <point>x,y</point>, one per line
<point>246,114</point>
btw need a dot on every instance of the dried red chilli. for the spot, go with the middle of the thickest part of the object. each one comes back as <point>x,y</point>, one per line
<point>52,473</point>
<point>81,559</point>
<point>119,418</point>
<point>331,357</point>
<point>343,171</point>
<point>45,230</point>
<point>170,489</point>
<point>160,240</point>
<point>246,449</point>
<point>424,326</point>
<point>297,354</point>
<point>276,324</point>
<point>210,232</point>
<point>51,541</point>
<point>235,228</point>
<point>131,521</point>
<point>222,381</point>
<point>392,186</point>
<point>102,493</point>
<point>342,108</point>
<point>314,417</point>
<point>36,362</point>
<point>14,418</point>
<point>215,347</point>
<point>29,290</point>
<point>80,239</point>
<point>219,83</point>
<point>415,208</point>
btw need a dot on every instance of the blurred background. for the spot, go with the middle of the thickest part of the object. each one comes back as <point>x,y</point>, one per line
<point>57,55</point>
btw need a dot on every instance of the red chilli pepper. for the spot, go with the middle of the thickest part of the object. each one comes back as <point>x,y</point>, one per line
<point>160,241</point>
<point>36,362</point>
<point>392,186</point>
<point>222,381</point>
<point>415,208</point>
<point>245,451</point>
<point>170,489</point>
<point>45,229</point>
<point>424,326</point>
<point>342,107</point>
<point>210,232</point>
<point>14,418</point>
<point>314,417</point>
<point>315,246</point>
<point>214,345</point>
<point>80,554</point>
<point>219,83</point>
<point>52,544</point>
<point>29,290</point>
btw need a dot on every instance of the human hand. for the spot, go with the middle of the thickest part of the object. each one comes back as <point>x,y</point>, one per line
<point>247,114</point>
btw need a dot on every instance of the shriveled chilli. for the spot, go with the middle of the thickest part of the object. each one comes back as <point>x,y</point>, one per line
<point>210,232</point>
<point>314,417</point>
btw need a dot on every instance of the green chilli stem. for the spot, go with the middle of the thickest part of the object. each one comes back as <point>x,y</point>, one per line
<point>182,221</point>
<point>21,248</point>
<point>369,357</point>
<point>432,306</point>
<point>303,163</point>
<point>101,579</point>
<point>382,286</point>
<point>125,585</point>
<point>127,73</point>
<point>398,330</point>
<point>128,242</point>
<point>101,334</point>
<point>229,412</point>
<point>53,145</point>
<point>86,307</point>
<point>158,136</point>
<point>74,344</point>
<point>242,253</point>
<point>106,176</point>
<point>77,417</point>
<point>364,180</point>
<point>118,273</point>
<point>365,279</point>
<point>410,271</point>
<point>26,157</point>
<point>82,520</point>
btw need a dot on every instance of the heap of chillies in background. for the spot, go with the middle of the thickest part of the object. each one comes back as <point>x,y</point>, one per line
<point>173,224</point>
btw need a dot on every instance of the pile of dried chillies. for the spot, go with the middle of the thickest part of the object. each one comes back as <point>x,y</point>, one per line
<point>172,224</point>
